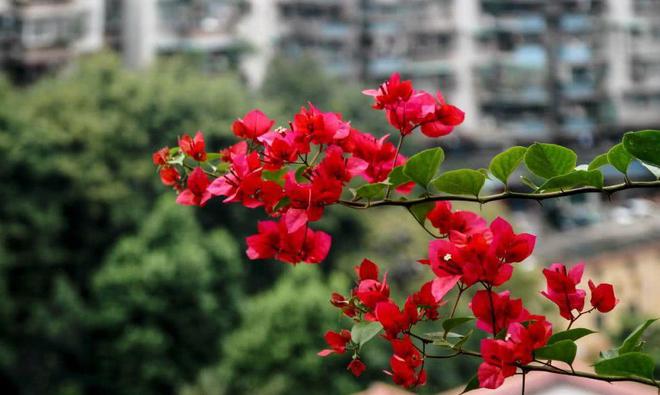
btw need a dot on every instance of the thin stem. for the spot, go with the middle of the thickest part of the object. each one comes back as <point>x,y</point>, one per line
<point>458,297</point>
<point>489,289</point>
<point>396,156</point>
<point>505,195</point>
<point>523,383</point>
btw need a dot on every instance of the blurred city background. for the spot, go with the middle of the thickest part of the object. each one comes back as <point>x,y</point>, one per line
<point>108,287</point>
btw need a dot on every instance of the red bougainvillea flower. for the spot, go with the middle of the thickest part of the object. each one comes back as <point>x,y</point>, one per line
<point>274,240</point>
<point>317,127</point>
<point>193,147</point>
<point>335,166</point>
<point>379,154</point>
<point>602,297</point>
<point>405,361</point>
<point>356,367</point>
<point>407,115</point>
<point>196,194</point>
<point>337,342</point>
<point>254,124</point>
<point>465,222</point>
<point>160,157</point>
<point>406,108</point>
<point>499,362</point>
<point>370,291</point>
<point>393,320</point>
<point>391,92</point>
<point>561,288</point>
<point>443,120</point>
<point>428,301</point>
<point>240,148</point>
<point>511,247</point>
<point>169,175</point>
<point>243,183</point>
<point>280,149</point>
<point>312,197</point>
<point>529,338</point>
<point>504,309</point>
<point>445,258</point>
<point>347,306</point>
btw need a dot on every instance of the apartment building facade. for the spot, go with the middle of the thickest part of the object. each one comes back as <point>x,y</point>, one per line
<point>40,35</point>
<point>142,30</point>
<point>522,69</point>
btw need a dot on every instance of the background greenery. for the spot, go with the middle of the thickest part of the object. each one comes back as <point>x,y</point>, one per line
<point>108,287</point>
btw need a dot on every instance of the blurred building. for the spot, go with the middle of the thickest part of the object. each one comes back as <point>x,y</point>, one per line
<point>522,69</point>
<point>142,30</point>
<point>40,35</point>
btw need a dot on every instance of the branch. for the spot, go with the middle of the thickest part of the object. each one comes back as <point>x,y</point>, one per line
<point>587,375</point>
<point>504,195</point>
<point>555,370</point>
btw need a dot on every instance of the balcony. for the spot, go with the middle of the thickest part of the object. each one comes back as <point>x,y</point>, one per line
<point>580,91</point>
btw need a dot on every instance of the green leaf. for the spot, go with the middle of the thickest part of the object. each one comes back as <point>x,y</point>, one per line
<point>362,332</point>
<point>630,364</point>
<point>618,157</point>
<point>571,334</point>
<point>633,342</point>
<point>563,350</point>
<point>464,339</point>
<point>505,163</point>
<point>212,156</point>
<point>397,177</point>
<point>299,174</point>
<point>274,175</point>
<point>423,166</point>
<point>460,182</point>
<point>574,179</point>
<point>371,191</point>
<point>644,145</point>
<point>452,323</point>
<point>549,160</point>
<point>472,385</point>
<point>419,211</point>
<point>282,203</point>
<point>598,162</point>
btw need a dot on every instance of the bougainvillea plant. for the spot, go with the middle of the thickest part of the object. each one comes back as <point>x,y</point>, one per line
<point>318,159</point>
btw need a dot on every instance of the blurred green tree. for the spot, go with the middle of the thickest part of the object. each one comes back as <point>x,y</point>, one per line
<point>163,299</point>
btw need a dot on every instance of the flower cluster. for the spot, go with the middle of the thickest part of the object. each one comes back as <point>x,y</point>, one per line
<point>469,253</point>
<point>294,172</point>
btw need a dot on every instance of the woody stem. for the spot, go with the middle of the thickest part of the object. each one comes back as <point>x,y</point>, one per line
<point>503,195</point>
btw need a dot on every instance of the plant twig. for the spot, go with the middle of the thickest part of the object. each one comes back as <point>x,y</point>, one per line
<point>504,195</point>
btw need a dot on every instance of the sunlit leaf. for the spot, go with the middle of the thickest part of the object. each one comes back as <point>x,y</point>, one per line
<point>505,163</point>
<point>460,182</point>
<point>549,160</point>
<point>619,158</point>
<point>626,365</point>
<point>563,350</point>
<point>644,145</point>
<point>371,191</point>
<point>364,331</point>
<point>423,166</point>
<point>577,178</point>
